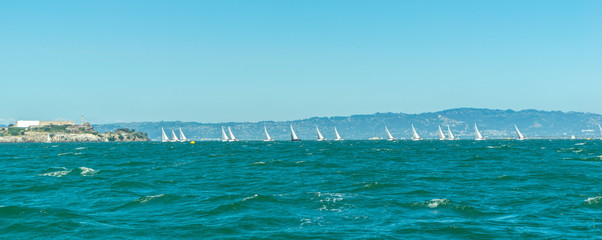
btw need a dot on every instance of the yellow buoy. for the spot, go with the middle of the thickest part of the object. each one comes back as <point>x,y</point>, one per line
<point>508,138</point>
<point>191,142</point>
<point>587,138</point>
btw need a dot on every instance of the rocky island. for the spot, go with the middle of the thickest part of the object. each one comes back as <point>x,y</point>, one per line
<point>64,131</point>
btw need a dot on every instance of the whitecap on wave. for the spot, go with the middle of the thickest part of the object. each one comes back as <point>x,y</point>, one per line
<point>433,203</point>
<point>83,171</point>
<point>148,198</point>
<point>593,200</point>
<point>249,198</point>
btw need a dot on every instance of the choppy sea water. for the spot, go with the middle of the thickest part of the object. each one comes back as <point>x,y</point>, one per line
<point>302,190</point>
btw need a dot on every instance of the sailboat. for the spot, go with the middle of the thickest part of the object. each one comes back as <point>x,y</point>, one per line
<point>415,136</point>
<point>48,140</point>
<point>441,135</point>
<point>320,137</point>
<point>478,135</point>
<point>600,129</point>
<point>232,138</point>
<point>573,137</point>
<point>224,135</point>
<point>164,137</point>
<point>267,135</point>
<point>337,137</point>
<point>451,135</point>
<point>293,135</point>
<point>182,137</point>
<point>518,134</point>
<point>389,136</point>
<point>173,137</point>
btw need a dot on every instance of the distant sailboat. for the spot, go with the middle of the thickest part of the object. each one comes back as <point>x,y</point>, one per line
<point>173,136</point>
<point>232,138</point>
<point>293,135</point>
<point>182,137</point>
<point>320,137</point>
<point>389,136</point>
<point>48,140</point>
<point>478,135</point>
<point>518,134</point>
<point>451,135</point>
<point>600,129</point>
<point>224,135</point>
<point>164,137</point>
<point>337,137</point>
<point>415,136</point>
<point>441,135</point>
<point>267,135</point>
<point>573,137</point>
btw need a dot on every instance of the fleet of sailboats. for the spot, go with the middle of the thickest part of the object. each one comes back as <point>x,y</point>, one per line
<point>174,138</point>
<point>228,136</point>
<point>519,136</point>
<point>478,135</point>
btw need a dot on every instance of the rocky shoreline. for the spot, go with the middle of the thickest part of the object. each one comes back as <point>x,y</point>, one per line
<point>120,135</point>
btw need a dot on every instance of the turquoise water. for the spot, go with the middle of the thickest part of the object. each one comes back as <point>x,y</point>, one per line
<point>302,190</point>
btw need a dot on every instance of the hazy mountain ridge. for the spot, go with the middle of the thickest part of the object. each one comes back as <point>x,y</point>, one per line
<point>492,123</point>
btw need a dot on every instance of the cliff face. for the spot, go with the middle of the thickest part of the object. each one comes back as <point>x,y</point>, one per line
<point>69,134</point>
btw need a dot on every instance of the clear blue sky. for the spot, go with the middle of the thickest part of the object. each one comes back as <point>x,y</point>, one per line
<point>215,61</point>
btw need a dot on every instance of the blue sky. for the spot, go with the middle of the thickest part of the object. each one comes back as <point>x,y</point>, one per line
<point>217,61</point>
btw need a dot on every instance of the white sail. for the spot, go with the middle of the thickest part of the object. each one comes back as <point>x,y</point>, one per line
<point>232,138</point>
<point>600,129</point>
<point>573,136</point>
<point>478,135</point>
<point>224,135</point>
<point>518,134</point>
<point>415,136</point>
<point>164,137</point>
<point>173,136</point>
<point>182,137</point>
<point>389,136</point>
<point>320,137</point>
<point>267,135</point>
<point>451,135</point>
<point>441,135</point>
<point>337,137</point>
<point>48,138</point>
<point>293,135</point>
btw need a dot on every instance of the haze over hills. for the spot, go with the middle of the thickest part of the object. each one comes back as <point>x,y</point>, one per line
<point>492,123</point>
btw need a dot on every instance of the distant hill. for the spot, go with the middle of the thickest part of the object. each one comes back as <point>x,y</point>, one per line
<point>492,123</point>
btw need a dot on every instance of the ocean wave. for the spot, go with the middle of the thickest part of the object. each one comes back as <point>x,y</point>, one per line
<point>81,148</point>
<point>146,199</point>
<point>249,198</point>
<point>593,200</point>
<point>433,203</point>
<point>69,153</point>
<point>82,171</point>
